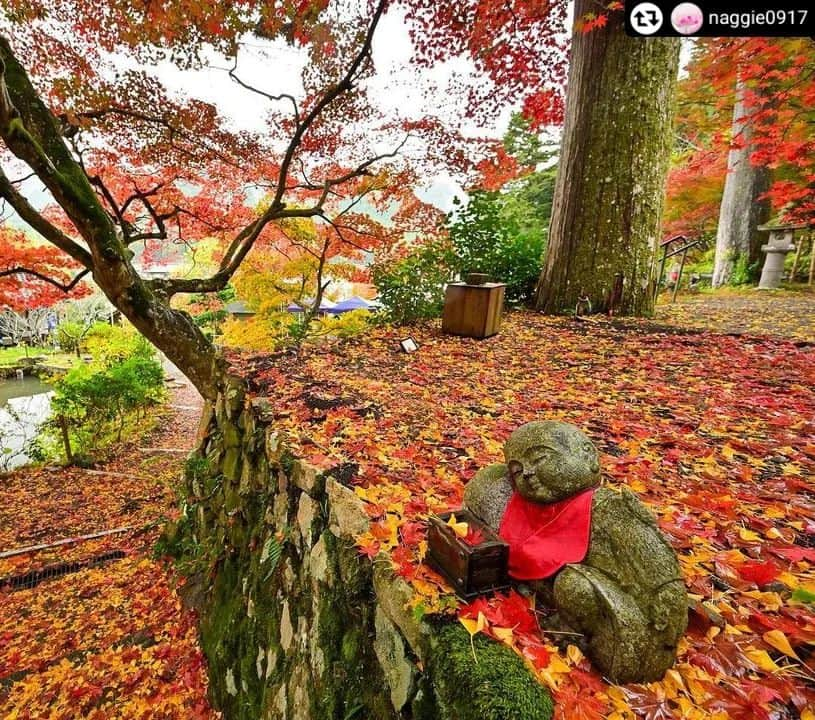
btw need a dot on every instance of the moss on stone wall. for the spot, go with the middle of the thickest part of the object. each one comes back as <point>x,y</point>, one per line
<point>491,684</point>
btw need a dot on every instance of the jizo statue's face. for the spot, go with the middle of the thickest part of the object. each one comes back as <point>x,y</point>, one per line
<point>550,461</point>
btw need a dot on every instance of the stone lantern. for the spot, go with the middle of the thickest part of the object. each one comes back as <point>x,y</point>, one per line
<point>776,250</point>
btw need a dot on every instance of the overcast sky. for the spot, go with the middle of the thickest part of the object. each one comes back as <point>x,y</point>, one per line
<point>399,87</point>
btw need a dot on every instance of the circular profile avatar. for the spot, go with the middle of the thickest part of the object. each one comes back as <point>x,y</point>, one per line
<point>687,18</point>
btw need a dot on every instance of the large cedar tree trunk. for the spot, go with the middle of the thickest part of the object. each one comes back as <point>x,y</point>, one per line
<point>743,209</point>
<point>613,162</point>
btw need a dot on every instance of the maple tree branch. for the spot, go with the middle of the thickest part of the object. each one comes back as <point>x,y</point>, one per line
<point>37,222</point>
<point>35,138</point>
<point>360,170</point>
<point>334,92</point>
<point>31,132</point>
<point>243,242</point>
<point>141,195</point>
<point>338,228</point>
<point>162,121</point>
<point>258,91</point>
<point>17,181</point>
<point>97,182</point>
<point>65,287</point>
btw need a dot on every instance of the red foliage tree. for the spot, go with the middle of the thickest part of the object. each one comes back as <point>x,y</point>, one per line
<point>132,167</point>
<point>778,75</point>
<point>34,276</point>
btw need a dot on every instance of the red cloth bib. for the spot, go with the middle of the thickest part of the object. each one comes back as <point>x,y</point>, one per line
<point>543,538</point>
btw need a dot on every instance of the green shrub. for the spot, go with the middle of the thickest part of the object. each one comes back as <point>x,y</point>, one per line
<point>499,234</point>
<point>70,335</point>
<point>411,288</point>
<point>744,272</point>
<point>92,403</point>
<point>346,325</point>
<point>110,343</point>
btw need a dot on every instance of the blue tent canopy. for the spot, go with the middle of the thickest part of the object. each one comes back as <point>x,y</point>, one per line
<point>352,303</point>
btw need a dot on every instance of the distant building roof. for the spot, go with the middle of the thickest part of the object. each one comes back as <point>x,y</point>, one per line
<point>325,305</point>
<point>239,307</point>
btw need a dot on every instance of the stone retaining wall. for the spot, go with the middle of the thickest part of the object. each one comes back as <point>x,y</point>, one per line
<point>9,372</point>
<point>294,623</point>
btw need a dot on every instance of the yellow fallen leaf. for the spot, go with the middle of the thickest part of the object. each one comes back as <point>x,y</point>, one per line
<point>808,714</point>
<point>637,486</point>
<point>459,528</point>
<point>769,600</point>
<point>748,535</point>
<point>728,453</point>
<point>574,654</point>
<point>779,641</point>
<point>552,675</point>
<point>474,627</point>
<point>773,534</point>
<point>505,635</point>
<point>673,683</point>
<point>618,699</point>
<point>762,659</point>
<point>788,579</point>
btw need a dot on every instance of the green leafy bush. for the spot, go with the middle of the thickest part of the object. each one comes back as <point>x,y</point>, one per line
<point>501,234</point>
<point>70,335</point>
<point>411,287</point>
<point>110,343</point>
<point>745,272</point>
<point>92,404</point>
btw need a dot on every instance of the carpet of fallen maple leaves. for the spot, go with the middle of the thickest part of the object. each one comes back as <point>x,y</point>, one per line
<point>111,640</point>
<point>776,313</point>
<point>716,433</point>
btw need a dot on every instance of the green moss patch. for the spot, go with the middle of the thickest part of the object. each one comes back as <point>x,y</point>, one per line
<point>492,685</point>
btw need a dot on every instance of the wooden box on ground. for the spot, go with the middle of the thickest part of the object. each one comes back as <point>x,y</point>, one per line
<point>470,569</point>
<point>473,310</point>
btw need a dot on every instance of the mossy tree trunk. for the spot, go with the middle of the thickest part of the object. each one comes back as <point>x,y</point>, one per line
<point>743,208</point>
<point>613,162</point>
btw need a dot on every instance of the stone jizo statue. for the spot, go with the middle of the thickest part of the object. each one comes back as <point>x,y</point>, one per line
<point>595,553</point>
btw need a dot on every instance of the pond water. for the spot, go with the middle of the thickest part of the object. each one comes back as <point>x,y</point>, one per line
<point>24,405</point>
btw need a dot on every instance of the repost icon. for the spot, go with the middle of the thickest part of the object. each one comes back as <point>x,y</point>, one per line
<point>646,18</point>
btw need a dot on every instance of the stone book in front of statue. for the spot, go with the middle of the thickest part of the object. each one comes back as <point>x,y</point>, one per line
<point>596,553</point>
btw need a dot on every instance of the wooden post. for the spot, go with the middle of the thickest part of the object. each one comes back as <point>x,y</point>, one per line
<point>66,439</point>
<point>616,294</point>
<point>800,246</point>
<point>661,271</point>
<point>811,257</point>
<point>679,277</point>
